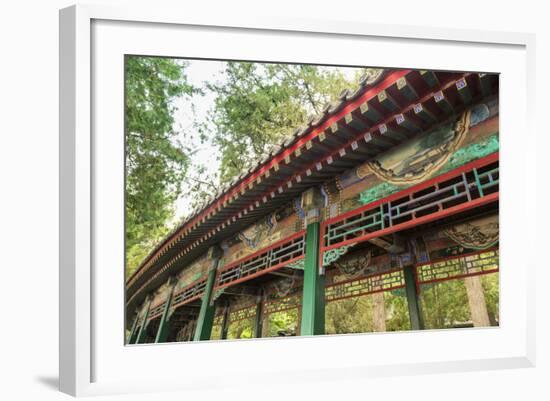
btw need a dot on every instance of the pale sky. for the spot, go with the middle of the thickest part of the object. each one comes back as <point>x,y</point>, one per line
<point>198,72</point>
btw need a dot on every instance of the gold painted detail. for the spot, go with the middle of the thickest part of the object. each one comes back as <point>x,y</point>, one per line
<point>258,233</point>
<point>485,262</point>
<point>412,163</point>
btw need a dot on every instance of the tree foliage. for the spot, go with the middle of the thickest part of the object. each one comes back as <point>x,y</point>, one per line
<point>156,162</point>
<point>259,105</point>
<point>350,315</point>
<point>241,329</point>
<point>356,315</point>
<point>256,107</point>
<point>284,323</point>
<point>445,304</point>
<point>490,283</point>
<point>397,311</point>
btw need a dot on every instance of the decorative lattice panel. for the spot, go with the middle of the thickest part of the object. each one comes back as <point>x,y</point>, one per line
<point>478,263</point>
<point>467,187</point>
<point>218,319</point>
<point>156,311</point>
<point>283,304</point>
<point>242,313</point>
<point>189,293</point>
<point>367,285</point>
<point>284,252</point>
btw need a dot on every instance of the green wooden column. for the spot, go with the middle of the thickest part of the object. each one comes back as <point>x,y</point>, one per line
<point>205,320</point>
<point>258,320</point>
<point>143,329</point>
<point>133,331</point>
<point>413,301</point>
<point>164,325</point>
<point>225,321</point>
<point>313,298</point>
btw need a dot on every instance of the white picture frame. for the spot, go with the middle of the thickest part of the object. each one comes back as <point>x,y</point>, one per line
<point>91,40</point>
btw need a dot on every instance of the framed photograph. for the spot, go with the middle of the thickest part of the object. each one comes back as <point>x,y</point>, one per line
<point>290,198</point>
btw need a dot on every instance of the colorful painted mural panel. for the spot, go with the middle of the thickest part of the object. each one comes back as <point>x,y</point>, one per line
<point>469,137</point>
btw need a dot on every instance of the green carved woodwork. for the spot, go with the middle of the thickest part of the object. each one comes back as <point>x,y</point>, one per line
<point>472,152</point>
<point>377,192</point>
<point>329,257</point>
<point>297,265</point>
<point>332,255</point>
<point>313,298</point>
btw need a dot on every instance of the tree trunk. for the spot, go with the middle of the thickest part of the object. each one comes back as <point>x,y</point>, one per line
<point>379,312</point>
<point>265,326</point>
<point>476,299</point>
<point>239,332</point>
<point>299,322</point>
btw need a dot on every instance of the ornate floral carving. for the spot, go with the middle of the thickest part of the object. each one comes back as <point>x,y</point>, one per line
<point>333,255</point>
<point>354,265</point>
<point>298,265</point>
<point>216,294</point>
<point>283,287</point>
<point>479,234</point>
<point>431,153</point>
